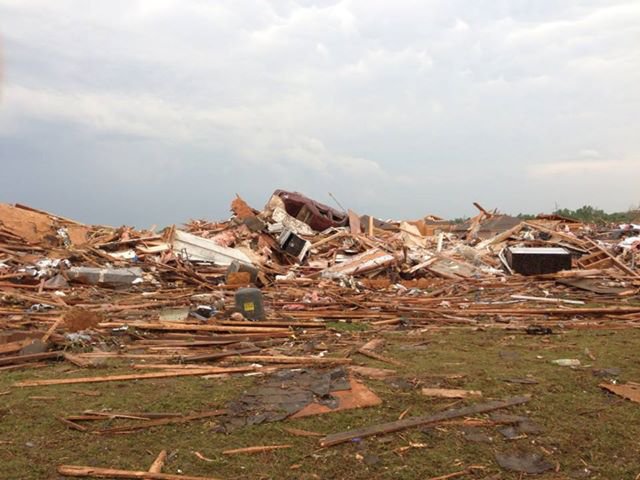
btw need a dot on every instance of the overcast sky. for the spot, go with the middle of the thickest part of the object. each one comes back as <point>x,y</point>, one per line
<point>157,111</point>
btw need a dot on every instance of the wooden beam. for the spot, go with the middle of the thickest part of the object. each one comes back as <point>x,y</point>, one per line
<point>97,472</point>
<point>140,376</point>
<point>450,393</point>
<point>376,356</point>
<point>42,212</point>
<point>131,240</point>
<point>287,359</point>
<point>275,324</point>
<point>160,422</point>
<point>77,360</point>
<point>218,355</point>
<point>13,347</point>
<point>479,207</point>
<point>473,312</point>
<point>383,428</point>
<point>329,239</point>
<point>73,425</point>
<point>193,327</point>
<point>158,463</point>
<point>34,357</point>
<point>354,223</point>
<point>52,329</point>
<point>251,450</point>
<point>501,237</point>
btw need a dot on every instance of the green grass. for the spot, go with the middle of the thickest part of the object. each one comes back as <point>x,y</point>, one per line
<point>345,326</point>
<point>583,426</point>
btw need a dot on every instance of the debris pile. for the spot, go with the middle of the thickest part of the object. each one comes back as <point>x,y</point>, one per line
<point>262,293</point>
<point>178,294</point>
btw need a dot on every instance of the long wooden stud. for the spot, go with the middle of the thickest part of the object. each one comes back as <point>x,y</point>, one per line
<point>160,422</point>
<point>158,463</point>
<point>34,357</point>
<point>192,327</point>
<point>252,450</point>
<point>288,359</point>
<point>141,376</point>
<point>377,356</point>
<point>52,329</point>
<point>97,472</point>
<point>390,427</point>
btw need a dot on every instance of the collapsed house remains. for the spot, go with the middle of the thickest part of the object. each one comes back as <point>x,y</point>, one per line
<point>258,294</point>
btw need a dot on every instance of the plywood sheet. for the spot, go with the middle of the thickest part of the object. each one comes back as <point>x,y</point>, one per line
<point>359,396</point>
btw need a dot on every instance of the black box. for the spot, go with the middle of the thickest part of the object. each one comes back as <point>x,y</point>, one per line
<point>538,260</point>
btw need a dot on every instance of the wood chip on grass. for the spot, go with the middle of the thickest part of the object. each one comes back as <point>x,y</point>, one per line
<point>253,450</point>
<point>450,393</point>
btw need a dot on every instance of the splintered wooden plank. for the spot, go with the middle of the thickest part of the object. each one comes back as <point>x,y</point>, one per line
<point>52,329</point>
<point>370,372</point>
<point>141,376</point>
<point>302,433</point>
<point>73,425</point>
<point>193,327</point>
<point>77,360</point>
<point>450,393</point>
<point>275,324</point>
<point>33,357</point>
<point>289,359</point>
<point>383,428</point>
<point>252,450</point>
<point>472,312</point>
<point>97,472</point>
<point>158,463</point>
<point>13,347</point>
<point>160,422</point>
<point>218,355</point>
<point>328,239</point>
<point>354,223</point>
<point>241,208</point>
<point>377,356</point>
<point>617,263</point>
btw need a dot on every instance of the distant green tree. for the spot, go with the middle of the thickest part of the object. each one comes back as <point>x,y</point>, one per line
<point>586,214</point>
<point>589,214</point>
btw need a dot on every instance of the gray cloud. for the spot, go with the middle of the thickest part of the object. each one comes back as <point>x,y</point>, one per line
<point>154,111</point>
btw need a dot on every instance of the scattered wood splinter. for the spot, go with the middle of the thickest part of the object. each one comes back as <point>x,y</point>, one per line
<point>258,449</point>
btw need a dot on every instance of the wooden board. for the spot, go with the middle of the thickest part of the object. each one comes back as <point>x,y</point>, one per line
<point>389,427</point>
<point>254,450</point>
<point>97,472</point>
<point>359,396</point>
<point>630,392</point>
<point>370,372</point>
<point>241,208</point>
<point>354,223</point>
<point>142,376</point>
<point>450,393</point>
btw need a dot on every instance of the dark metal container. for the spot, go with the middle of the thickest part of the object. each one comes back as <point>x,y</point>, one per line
<point>249,303</point>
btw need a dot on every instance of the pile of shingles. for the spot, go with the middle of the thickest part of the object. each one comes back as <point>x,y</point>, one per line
<point>85,293</point>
